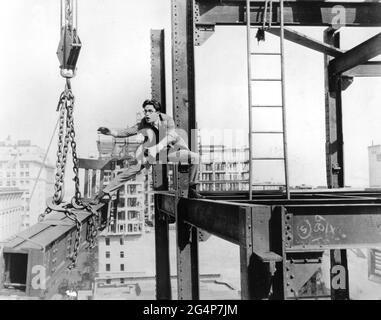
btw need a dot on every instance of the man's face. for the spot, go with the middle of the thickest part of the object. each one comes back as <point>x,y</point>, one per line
<point>150,114</point>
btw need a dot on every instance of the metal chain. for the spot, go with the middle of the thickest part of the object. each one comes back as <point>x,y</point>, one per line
<point>66,136</point>
<point>72,216</point>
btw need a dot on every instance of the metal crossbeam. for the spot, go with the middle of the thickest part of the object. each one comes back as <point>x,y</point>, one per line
<point>46,247</point>
<point>356,56</point>
<point>333,226</point>
<point>297,13</point>
<point>308,42</point>
<point>368,69</point>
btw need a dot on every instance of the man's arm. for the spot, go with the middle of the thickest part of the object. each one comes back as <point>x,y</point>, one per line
<point>120,133</point>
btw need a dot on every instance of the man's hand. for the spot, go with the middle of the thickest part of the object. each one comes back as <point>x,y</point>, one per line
<point>152,151</point>
<point>104,130</point>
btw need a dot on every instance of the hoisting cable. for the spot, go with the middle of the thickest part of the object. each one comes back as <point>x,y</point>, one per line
<point>68,52</point>
<point>44,160</point>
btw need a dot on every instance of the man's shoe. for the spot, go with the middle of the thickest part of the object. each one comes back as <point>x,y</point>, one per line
<point>193,194</point>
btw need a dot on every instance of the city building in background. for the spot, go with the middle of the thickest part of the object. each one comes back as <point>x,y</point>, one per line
<point>11,212</point>
<point>133,217</point>
<point>374,155</point>
<point>20,165</point>
<point>223,168</point>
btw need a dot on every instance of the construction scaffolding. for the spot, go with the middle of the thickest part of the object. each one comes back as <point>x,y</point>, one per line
<point>282,236</point>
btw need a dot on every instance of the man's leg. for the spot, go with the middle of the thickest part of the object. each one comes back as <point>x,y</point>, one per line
<point>188,157</point>
<point>123,177</point>
<point>118,181</point>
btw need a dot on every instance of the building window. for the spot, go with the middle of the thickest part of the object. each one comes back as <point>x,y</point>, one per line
<point>122,267</point>
<point>132,202</point>
<point>108,267</point>
<point>121,215</point>
<point>122,254</point>
<point>121,280</point>
<point>26,174</point>
<point>121,240</point>
<point>378,157</point>
<point>107,254</point>
<point>107,241</point>
<point>133,215</point>
<point>122,202</point>
<point>21,174</point>
<point>108,281</point>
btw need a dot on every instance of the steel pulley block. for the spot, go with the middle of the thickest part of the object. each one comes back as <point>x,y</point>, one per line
<point>68,52</point>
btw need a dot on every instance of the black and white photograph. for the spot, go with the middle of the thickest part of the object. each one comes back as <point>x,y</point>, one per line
<point>210,151</point>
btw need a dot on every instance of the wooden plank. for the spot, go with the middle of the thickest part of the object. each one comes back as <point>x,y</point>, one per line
<point>358,55</point>
<point>308,42</point>
<point>368,69</point>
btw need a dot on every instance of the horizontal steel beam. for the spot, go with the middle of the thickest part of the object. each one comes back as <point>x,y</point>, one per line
<point>296,13</point>
<point>46,248</point>
<point>216,217</point>
<point>321,227</point>
<point>356,56</point>
<point>368,69</point>
<point>96,164</point>
<point>308,42</point>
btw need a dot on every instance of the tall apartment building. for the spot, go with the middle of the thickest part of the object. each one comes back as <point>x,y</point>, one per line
<point>135,208</point>
<point>20,164</point>
<point>223,168</point>
<point>374,156</point>
<point>11,211</point>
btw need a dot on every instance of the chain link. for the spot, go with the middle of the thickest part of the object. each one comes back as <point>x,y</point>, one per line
<point>66,137</point>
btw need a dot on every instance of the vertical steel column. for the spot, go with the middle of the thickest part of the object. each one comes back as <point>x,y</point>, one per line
<point>335,154</point>
<point>184,117</point>
<point>245,252</point>
<point>160,179</point>
<point>334,119</point>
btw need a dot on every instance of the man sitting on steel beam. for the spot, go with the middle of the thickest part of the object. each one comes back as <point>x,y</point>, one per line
<point>162,144</point>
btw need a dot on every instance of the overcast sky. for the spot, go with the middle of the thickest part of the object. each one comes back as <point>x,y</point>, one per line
<point>113,79</point>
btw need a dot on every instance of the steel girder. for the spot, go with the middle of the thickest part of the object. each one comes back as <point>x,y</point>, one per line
<point>297,13</point>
